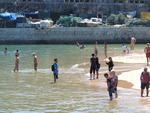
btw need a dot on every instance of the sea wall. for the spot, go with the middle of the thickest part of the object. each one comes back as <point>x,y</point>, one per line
<point>70,35</point>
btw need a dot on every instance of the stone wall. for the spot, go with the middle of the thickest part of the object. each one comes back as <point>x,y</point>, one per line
<point>71,35</point>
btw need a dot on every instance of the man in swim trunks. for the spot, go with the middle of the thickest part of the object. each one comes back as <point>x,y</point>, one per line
<point>147,52</point>
<point>35,61</point>
<point>17,53</point>
<point>145,76</point>
<point>133,40</point>
<point>16,63</point>
<point>93,66</point>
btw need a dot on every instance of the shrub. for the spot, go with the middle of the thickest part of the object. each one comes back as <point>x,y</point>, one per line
<point>111,19</point>
<point>68,21</point>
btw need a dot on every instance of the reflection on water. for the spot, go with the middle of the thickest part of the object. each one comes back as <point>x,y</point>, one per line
<point>29,91</point>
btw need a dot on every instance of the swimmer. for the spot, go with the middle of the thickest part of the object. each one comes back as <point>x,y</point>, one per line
<point>82,47</point>
<point>35,61</point>
<point>16,63</point>
<point>5,51</point>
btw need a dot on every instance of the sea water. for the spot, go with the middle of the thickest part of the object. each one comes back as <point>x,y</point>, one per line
<point>28,91</point>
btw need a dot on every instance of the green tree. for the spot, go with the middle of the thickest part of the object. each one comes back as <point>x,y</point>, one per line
<point>68,21</point>
<point>120,19</point>
<point>111,19</point>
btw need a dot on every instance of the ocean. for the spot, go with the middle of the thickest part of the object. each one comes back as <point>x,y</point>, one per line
<point>28,91</point>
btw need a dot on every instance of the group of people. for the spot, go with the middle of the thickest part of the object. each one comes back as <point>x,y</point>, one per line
<point>16,68</point>
<point>112,80</point>
<point>126,49</point>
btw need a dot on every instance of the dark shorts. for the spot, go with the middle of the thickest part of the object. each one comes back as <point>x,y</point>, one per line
<point>55,76</point>
<point>92,69</point>
<point>97,67</point>
<point>111,92</point>
<point>143,85</point>
<point>110,68</point>
<point>115,89</point>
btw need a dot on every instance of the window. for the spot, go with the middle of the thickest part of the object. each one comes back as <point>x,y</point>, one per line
<point>87,0</point>
<point>142,2</point>
<point>115,1</point>
<point>131,1</point>
<point>120,1</point>
<point>71,0</point>
<point>136,1</point>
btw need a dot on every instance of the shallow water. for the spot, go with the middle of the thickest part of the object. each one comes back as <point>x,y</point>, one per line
<point>28,91</point>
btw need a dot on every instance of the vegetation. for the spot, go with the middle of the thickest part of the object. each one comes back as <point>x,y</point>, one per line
<point>116,19</point>
<point>68,21</point>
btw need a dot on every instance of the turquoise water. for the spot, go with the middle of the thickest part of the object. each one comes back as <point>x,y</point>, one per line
<point>29,91</point>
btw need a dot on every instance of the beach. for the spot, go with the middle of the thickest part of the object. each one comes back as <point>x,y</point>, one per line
<point>34,92</point>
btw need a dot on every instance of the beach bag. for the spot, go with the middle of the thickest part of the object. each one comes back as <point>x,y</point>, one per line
<point>99,65</point>
<point>53,69</point>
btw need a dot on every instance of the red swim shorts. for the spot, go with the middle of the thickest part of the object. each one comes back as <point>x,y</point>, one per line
<point>148,55</point>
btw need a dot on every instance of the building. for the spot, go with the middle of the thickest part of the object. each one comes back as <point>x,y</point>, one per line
<point>86,8</point>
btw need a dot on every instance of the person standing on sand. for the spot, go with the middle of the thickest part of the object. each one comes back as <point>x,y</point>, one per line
<point>133,40</point>
<point>5,51</point>
<point>147,52</point>
<point>110,64</point>
<point>92,68</point>
<point>35,61</point>
<point>17,53</point>
<point>55,70</point>
<point>115,76</point>
<point>16,63</point>
<point>110,85</point>
<point>96,49</point>
<point>145,76</point>
<point>105,49</point>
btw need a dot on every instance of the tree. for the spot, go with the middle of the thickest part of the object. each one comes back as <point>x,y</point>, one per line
<point>68,21</point>
<point>111,19</point>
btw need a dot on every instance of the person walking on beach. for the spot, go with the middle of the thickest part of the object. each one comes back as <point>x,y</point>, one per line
<point>115,77</point>
<point>92,68</point>
<point>145,76</point>
<point>110,64</point>
<point>5,51</point>
<point>147,52</point>
<point>110,85</point>
<point>96,49</point>
<point>97,66</point>
<point>105,49</point>
<point>133,40</point>
<point>55,72</point>
<point>35,61</point>
<point>17,53</point>
<point>16,63</point>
